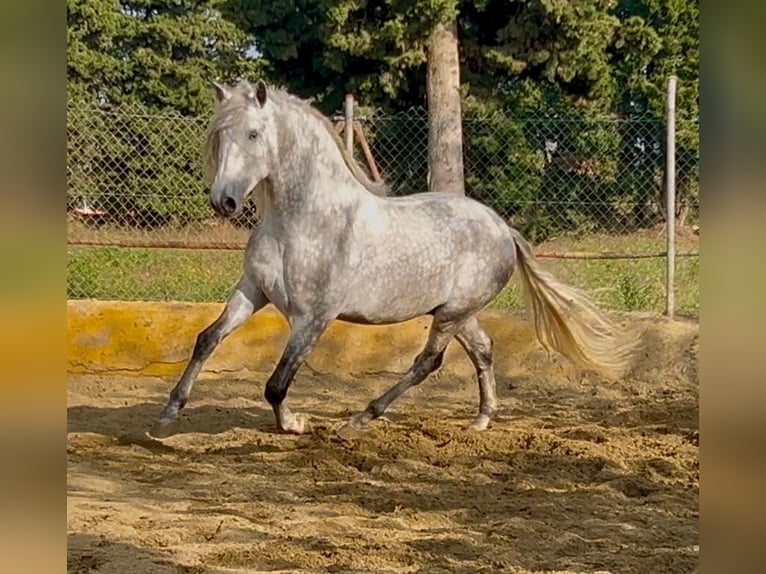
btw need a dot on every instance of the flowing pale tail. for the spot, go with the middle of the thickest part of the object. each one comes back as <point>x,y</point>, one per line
<point>567,321</point>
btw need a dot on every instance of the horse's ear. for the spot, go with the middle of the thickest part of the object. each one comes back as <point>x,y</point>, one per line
<point>260,92</point>
<point>222,93</point>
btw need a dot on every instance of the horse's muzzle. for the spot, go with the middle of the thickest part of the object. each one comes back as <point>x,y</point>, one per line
<point>229,206</point>
<point>226,206</point>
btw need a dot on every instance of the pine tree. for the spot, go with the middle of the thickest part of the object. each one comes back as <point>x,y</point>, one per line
<point>149,63</point>
<point>162,54</point>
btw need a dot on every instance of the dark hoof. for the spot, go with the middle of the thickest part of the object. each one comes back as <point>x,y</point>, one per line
<point>171,410</point>
<point>164,428</point>
<point>349,431</point>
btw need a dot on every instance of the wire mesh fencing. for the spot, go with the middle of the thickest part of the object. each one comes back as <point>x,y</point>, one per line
<point>588,191</point>
<point>549,175</point>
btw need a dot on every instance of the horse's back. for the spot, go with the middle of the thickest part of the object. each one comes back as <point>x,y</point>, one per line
<point>423,252</point>
<point>463,224</point>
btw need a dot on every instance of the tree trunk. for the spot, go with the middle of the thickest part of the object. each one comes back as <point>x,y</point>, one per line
<point>445,131</point>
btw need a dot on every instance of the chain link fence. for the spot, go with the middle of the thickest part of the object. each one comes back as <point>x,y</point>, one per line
<point>588,191</point>
<point>549,175</point>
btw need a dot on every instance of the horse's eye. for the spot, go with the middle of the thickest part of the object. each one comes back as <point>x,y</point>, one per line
<point>253,135</point>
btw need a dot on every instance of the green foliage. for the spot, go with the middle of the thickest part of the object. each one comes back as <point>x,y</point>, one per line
<point>159,53</point>
<point>633,294</point>
<point>562,42</point>
<point>621,285</point>
<point>399,144</point>
<point>143,169</point>
<point>326,48</point>
<point>503,167</point>
<point>151,274</point>
<point>138,73</point>
<point>563,100</point>
<point>586,77</point>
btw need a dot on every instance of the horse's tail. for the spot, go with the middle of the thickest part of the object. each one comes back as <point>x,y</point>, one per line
<point>567,321</point>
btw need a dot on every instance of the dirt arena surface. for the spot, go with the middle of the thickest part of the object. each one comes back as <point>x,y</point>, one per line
<point>576,475</point>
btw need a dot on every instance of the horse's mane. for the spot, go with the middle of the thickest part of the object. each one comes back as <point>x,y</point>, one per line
<point>229,111</point>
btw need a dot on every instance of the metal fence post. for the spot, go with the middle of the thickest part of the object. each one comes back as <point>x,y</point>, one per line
<point>349,127</point>
<point>670,192</point>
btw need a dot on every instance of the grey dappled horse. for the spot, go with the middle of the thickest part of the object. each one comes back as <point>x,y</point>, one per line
<point>332,245</point>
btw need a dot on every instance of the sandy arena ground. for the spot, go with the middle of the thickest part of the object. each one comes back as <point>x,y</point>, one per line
<point>575,476</point>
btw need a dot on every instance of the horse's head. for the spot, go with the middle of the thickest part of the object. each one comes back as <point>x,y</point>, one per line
<point>241,144</point>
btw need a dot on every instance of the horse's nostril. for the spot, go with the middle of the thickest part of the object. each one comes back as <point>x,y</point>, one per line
<point>229,205</point>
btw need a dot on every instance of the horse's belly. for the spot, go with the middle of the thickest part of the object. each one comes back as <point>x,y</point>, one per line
<point>384,315</point>
<point>413,274</point>
<point>394,297</point>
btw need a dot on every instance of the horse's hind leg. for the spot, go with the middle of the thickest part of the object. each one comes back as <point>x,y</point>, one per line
<point>428,361</point>
<point>243,302</point>
<point>478,345</point>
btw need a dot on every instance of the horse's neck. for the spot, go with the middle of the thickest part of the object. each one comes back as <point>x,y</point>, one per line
<point>312,174</point>
<point>318,197</point>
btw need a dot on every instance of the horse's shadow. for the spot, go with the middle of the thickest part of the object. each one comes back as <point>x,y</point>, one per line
<point>87,553</point>
<point>141,418</point>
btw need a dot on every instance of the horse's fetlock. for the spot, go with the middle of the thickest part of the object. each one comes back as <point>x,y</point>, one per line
<point>274,395</point>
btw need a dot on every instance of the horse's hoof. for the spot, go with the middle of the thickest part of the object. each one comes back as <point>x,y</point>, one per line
<point>361,421</point>
<point>164,428</point>
<point>356,426</point>
<point>298,425</point>
<point>350,431</point>
<point>480,424</point>
<point>171,411</point>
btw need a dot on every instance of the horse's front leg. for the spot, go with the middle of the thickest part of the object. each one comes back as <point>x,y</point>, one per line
<point>243,302</point>
<point>304,334</point>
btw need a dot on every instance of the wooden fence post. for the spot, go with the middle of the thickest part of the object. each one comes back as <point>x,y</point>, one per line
<point>670,208</point>
<point>349,127</point>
